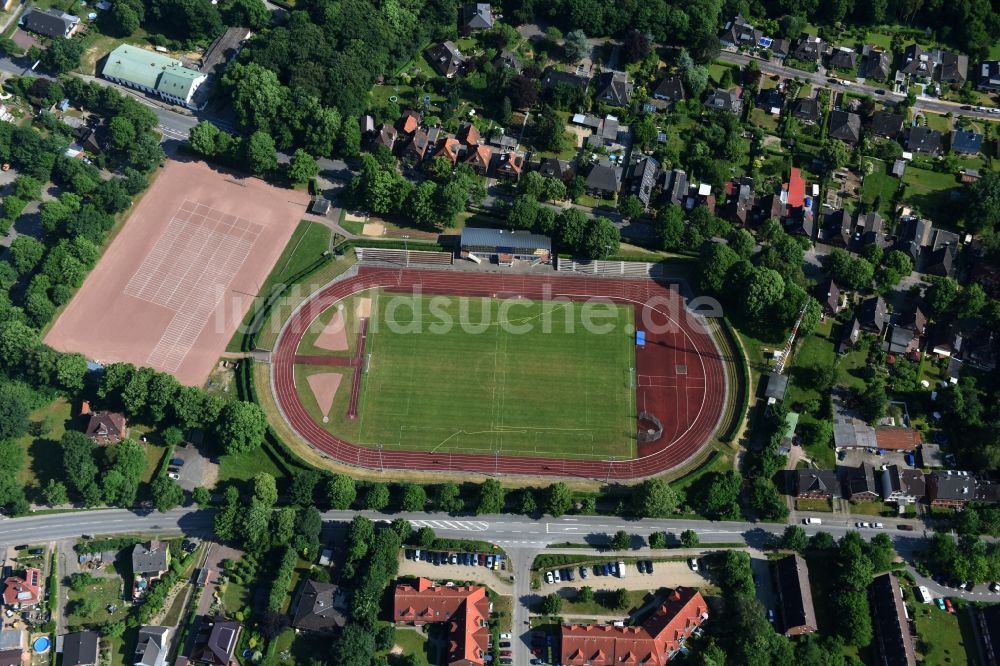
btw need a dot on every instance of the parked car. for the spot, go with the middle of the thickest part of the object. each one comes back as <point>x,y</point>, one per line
<point>176,462</point>
<point>940,603</point>
<point>861,524</point>
<point>549,578</point>
<point>569,575</point>
<point>556,576</point>
<point>23,546</point>
<point>482,559</point>
<point>905,528</point>
<point>506,636</point>
<point>489,561</point>
<point>994,587</point>
<point>649,566</point>
<point>947,603</point>
<point>606,569</point>
<point>174,475</point>
<point>36,551</point>
<point>641,566</point>
<point>620,569</point>
<point>505,644</point>
<point>506,653</point>
<point>409,554</point>
<point>770,615</point>
<point>454,558</point>
<point>175,470</point>
<point>812,521</point>
<point>584,574</point>
<point>878,526</point>
<point>693,563</point>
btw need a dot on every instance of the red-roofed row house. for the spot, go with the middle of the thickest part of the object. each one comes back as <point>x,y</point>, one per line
<point>653,643</point>
<point>464,609</point>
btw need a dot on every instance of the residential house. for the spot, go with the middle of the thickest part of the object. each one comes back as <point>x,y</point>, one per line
<point>988,621</point>
<point>940,261</point>
<point>932,250</point>
<point>476,16</point>
<point>897,438</point>
<point>902,485</point>
<point>797,215</point>
<point>907,332</point>
<point>845,126</point>
<point>510,165</point>
<point>366,124</point>
<point>675,187</point>
<point>843,58</point>
<point>464,611</point>
<point>740,200</point>
<point>947,488</point>
<point>319,607</point>
<point>869,230</point>
<point>776,387</point>
<point>771,100</point>
<point>415,149</point>
<point>838,229</point>
<point>605,129</point>
<point>449,148</point>
<point>468,134</point>
<point>216,641</point>
<point>50,23</point>
<point>80,649</point>
<point>769,207</point>
<point>740,33</point>
<point>810,49</point>
<point>851,335</point>
<point>806,110</point>
<point>893,641</point>
<point>13,647</point>
<point>502,141</point>
<point>23,590</point>
<point>924,140</point>
<point>660,637</point>
<point>954,67</point>
<point>613,89</point>
<point>917,63</point>
<point>552,167</point>
<point>898,168</point>
<point>887,124</point>
<point>967,142</point>
<point>104,427</point>
<point>816,483</point>
<point>875,63</point>
<point>670,89</point>
<point>873,316</point>
<point>642,178</point>
<point>553,77</point>
<point>828,295</point>
<point>385,137</point>
<point>859,483</point>
<point>798,615</point>
<point>155,74</point>
<point>780,48</point>
<point>479,158</point>
<point>445,58</point>
<point>724,100</point>
<point>509,60</point>
<point>989,76</point>
<point>149,561</point>
<point>151,646</point>
<point>409,121</point>
<point>603,180</point>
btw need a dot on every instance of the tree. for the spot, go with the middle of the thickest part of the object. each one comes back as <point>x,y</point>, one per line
<point>261,153</point>
<point>982,203</point>
<point>79,466</point>
<point>630,207</point>
<point>492,497</point>
<point>552,604</point>
<point>527,504</point>
<point>25,253</point>
<point>637,46</point>
<point>166,494</point>
<point>203,138</point>
<point>670,226</point>
<point>522,213</point>
<point>571,225</point>
<point>360,534</point>
<point>764,289</point>
<point>576,46</point>
<point>308,526</point>
<point>341,492</point>
<point>14,412</point>
<point>241,426</point>
<point>201,496</point>
<point>414,497</point>
<point>549,130</point>
<point>695,76</point>
<point>506,111</point>
<point>654,498</point>
<point>835,153</point>
<point>971,300</point>
<point>303,488</point>
<point>794,538</point>
<point>265,488</point>
<point>522,92</point>
<point>448,498</point>
<point>621,540</point>
<point>121,133</point>
<point>602,238</point>
<point>895,266</point>
<point>658,540</point>
<point>302,168</point>
<point>559,499</point>
<point>248,13</point>
<point>55,493</point>
<point>377,497</point>
<point>620,599</point>
<point>585,595</point>
<point>689,539</point>
<point>941,295</point>
<point>719,258</point>
<point>62,55</point>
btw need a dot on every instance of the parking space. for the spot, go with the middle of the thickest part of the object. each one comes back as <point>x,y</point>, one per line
<point>854,458</point>
<point>665,574</point>
<point>196,470</point>
<point>499,580</point>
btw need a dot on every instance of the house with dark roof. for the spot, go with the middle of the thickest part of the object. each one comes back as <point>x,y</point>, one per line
<point>13,647</point>
<point>104,427</point>
<point>873,315</point>
<point>843,58</point>
<point>740,200</point>
<point>150,559</point>
<point>828,295</point>
<point>810,49</point>
<point>603,180</point>
<point>806,110</point>
<point>670,89</point>
<point>509,60</point>
<point>875,63</point>
<point>780,48</point>
<point>902,485</point>
<point>151,646</point>
<point>661,636</point>
<point>50,23</point>
<point>740,33</point>
<point>948,488</point>
<point>553,77</point>
<point>476,16</point>
<point>940,261</point>
<point>385,136</point>
<point>613,89</point>
<point>887,124</point>
<point>954,67</point>
<point>724,100</point>
<point>416,148</point>
<point>551,167</point>
<point>675,187</point>
<point>776,387</point>
<point>851,335</point>
<point>917,63</point>
<point>988,75</point>
<point>845,126</point>
<point>838,229</point>
<point>80,649</point>
<point>924,140</point>
<point>869,230</point>
<point>446,59</point>
<point>771,100</point>
<point>967,142</point>
<point>893,641</point>
<point>859,483</point>
<point>319,607</point>
<point>641,178</point>
<point>816,483</point>
<point>988,621</point>
<point>216,641</point>
<point>798,616</point>
<point>464,611</point>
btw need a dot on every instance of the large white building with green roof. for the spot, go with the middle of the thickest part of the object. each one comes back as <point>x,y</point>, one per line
<point>153,73</point>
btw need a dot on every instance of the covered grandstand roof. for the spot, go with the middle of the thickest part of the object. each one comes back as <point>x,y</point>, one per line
<point>472,236</point>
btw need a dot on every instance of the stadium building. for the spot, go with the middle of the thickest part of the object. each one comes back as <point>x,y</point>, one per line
<point>505,247</point>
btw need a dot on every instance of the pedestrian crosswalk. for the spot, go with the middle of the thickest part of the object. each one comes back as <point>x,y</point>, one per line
<point>455,525</point>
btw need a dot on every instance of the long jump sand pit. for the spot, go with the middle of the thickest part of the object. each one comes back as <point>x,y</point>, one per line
<point>172,288</point>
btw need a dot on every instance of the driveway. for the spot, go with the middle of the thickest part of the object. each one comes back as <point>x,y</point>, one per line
<point>197,470</point>
<point>761,569</point>
<point>213,558</point>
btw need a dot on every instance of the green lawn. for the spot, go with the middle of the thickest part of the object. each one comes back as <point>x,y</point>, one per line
<point>764,120</point>
<point>930,192</point>
<point>602,603</point>
<point>516,376</point>
<point>43,453</point>
<point>938,122</point>
<point>813,505</point>
<point>412,643</point>
<point>104,592</point>
<point>243,466</point>
<point>880,184</point>
<point>940,637</point>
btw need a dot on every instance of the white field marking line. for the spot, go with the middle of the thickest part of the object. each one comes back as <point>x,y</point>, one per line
<point>194,257</point>
<point>150,265</point>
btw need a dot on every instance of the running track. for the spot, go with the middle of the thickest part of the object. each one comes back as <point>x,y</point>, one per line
<point>680,374</point>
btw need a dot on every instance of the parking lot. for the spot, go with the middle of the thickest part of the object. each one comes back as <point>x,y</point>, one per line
<point>854,458</point>
<point>665,574</point>
<point>499,580</point>
<point>197,470</point>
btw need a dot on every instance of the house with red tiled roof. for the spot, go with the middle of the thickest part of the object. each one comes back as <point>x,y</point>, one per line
<point>409,122</point>
<point>449,148</point>
<point>479,158</point>
<point>653,643</point>
<point>22,591</point>
<point>510,165</point>
<point>463,609</point>
<point>468,134</point>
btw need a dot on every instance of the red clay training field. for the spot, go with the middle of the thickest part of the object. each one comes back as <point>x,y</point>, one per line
<point>680,375</point>
<point>174,285</point>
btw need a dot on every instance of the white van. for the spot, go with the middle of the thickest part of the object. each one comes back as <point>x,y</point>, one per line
<point>812,521</point>
<point>621,569</point>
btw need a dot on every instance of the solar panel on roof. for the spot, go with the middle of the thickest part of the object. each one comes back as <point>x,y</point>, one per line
<point>765,42</point>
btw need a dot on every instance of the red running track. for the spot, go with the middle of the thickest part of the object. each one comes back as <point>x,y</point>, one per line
<point>680,373</point>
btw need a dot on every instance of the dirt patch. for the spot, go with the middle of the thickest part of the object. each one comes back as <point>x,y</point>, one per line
<point>373,229</point>
<point>363,309</point>
<point>176,282</point>
<point>324,386</point>
<point>334,335</point>
<point>581,133</point>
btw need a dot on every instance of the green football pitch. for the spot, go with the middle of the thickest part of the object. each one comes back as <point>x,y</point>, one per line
<point>521,378</point>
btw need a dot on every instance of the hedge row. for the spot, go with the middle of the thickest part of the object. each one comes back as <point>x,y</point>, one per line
<point>742,402</point>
